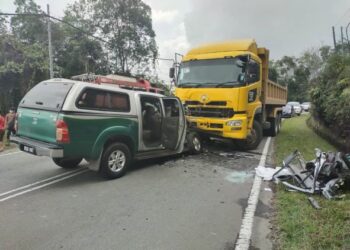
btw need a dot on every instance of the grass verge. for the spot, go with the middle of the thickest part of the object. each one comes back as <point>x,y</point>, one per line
<point>299,225</point>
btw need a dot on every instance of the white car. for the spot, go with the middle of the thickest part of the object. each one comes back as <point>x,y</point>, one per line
<point>296,106</point>
<point>306,106</point>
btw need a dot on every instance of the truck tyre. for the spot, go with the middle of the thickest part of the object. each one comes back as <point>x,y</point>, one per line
<point>115,160</point>
<point>253,140</point>
<point>194,143</point>
<point>67,162</point>
<point>274,127</point>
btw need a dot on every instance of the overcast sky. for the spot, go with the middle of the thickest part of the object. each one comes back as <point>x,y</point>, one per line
<point>286,27</point>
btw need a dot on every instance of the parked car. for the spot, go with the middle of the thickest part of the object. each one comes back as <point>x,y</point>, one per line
<point>296,106</point>
<point>306,106</point>
<point>107,126</point>
<point>288,111</point>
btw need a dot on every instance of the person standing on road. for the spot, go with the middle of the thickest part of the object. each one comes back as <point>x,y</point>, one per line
<point>10,120</point>
<point>2,126</point>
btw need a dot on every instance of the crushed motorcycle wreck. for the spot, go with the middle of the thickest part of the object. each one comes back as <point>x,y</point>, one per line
<point>328,174</point>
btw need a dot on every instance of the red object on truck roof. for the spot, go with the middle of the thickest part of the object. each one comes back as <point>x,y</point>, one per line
<point>122,81</point>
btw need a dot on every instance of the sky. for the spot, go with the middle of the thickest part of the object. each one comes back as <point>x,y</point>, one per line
<point>286,27</point>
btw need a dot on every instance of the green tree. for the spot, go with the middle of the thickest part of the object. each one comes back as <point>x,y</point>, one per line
<point>127,25</point>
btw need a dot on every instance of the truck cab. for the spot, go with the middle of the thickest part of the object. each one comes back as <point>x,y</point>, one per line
<point>226,91</point>
<point>107,126</point>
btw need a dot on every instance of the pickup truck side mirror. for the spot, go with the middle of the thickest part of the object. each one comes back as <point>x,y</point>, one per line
<point>172,72</point>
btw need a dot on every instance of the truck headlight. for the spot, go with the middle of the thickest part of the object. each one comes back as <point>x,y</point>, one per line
<point>234,123</point>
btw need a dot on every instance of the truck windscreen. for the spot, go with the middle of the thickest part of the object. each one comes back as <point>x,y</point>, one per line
<point>213,73</point>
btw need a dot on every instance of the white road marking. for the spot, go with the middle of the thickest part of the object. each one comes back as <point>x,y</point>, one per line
<point>245,232</point>
<point>73,173</point>
<point>39,182</point>
<point>17,152</point>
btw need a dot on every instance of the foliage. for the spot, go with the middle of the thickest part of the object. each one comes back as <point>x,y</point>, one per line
<point>126,25</point>
<point>330,94</point>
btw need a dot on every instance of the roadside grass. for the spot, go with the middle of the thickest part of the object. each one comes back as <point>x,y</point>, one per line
<point>299,225</point>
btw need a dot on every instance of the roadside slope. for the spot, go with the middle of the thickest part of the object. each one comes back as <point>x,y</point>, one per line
<point>299,225</point>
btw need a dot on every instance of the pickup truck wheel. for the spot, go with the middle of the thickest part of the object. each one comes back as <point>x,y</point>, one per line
<point>67,162</point>
<point>194,143</point>
<point>253,140</point>
<point>115,161</point>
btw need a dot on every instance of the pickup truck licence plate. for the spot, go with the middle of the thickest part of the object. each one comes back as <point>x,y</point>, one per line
<point>30,150</point>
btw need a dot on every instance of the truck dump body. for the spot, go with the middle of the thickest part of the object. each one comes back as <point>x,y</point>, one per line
<point>275,94</point>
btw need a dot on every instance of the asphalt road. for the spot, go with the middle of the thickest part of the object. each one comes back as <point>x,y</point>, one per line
<point>183,202</point>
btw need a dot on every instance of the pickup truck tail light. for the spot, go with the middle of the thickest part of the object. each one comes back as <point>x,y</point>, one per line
<point>62,132</point>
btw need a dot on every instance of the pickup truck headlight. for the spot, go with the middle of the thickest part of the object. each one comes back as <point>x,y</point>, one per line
<point>234,123</point>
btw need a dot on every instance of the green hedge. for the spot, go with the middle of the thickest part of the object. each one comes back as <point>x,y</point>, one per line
<point>330,96</point>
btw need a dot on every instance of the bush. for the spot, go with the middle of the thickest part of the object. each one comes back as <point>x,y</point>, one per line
<point>330,95</point>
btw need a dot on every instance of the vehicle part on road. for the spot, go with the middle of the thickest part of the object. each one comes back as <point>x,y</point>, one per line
<point>326,174</point>
<point>115,160</point>
<point>314,202</point>
<point>67,162</point>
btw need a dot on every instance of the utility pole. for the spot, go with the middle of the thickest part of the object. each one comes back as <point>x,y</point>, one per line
<point>342,39</point>
<point>334,40</point>
<point>50,45</point>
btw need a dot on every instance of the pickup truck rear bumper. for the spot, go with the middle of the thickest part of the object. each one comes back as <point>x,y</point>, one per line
<point>37,147</point>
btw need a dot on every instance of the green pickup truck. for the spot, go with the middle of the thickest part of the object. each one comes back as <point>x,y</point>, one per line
<point>106,125</point>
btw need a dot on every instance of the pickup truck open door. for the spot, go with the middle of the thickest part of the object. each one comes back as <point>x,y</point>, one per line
<point>173,124</point>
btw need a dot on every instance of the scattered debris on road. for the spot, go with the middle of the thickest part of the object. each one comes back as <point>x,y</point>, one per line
<point>327,174</point>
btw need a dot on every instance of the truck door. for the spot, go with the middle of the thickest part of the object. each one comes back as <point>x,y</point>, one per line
<point>173,124</point>
<point>253,87</point>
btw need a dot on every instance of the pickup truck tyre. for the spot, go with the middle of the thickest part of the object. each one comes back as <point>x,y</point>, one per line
<point>67,162</point>
<point>253,140</point>
<point>115,160</point>
<point>194,143</point>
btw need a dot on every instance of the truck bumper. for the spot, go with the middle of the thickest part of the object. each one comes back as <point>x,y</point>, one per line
<point>38,148</point>
<point>235,127</point>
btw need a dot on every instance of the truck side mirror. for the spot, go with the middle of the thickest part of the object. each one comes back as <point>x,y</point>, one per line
<point>253,73</point>
<point>172,72</point>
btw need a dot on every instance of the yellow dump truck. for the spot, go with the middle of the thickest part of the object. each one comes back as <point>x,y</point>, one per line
<point>226,92</point>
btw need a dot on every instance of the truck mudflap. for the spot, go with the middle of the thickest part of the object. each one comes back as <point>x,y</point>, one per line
<point>38,148</point>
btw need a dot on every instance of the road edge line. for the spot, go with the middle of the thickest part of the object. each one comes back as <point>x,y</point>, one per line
<point>245,232</point>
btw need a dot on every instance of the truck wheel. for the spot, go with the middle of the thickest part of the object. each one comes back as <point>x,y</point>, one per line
<point>274,128</point>
<point>115,161</point>
<point>67,162</point>
<point>253,140</point>
<point>194,143</point>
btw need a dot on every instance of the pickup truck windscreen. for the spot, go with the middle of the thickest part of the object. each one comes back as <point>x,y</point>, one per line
<point>48,96</point>
<point>213,73</point>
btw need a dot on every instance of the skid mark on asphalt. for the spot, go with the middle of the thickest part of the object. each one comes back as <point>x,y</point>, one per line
<point>40,184</point>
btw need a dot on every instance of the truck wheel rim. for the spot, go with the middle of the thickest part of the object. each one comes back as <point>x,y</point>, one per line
<point>196,144</point>
<point>116,160</point>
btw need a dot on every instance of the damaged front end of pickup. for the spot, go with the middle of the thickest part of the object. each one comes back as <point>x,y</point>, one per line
<point>328,174</point>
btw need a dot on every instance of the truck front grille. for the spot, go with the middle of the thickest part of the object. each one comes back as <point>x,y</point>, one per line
<point>211,112</point>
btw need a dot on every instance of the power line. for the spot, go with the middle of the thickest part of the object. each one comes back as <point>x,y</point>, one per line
<point>345,13</point>
<point>72,26</point>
